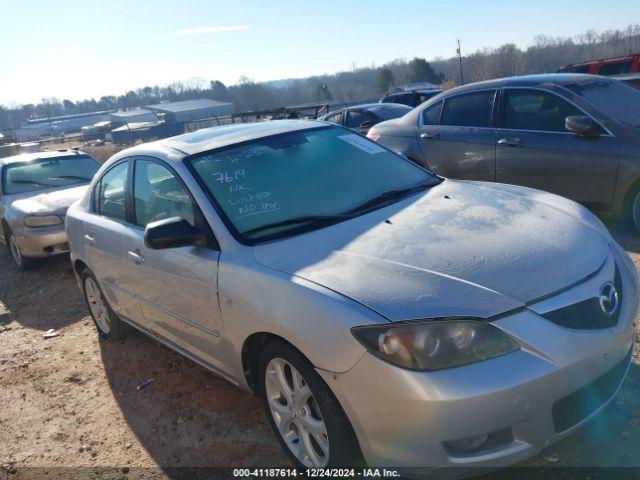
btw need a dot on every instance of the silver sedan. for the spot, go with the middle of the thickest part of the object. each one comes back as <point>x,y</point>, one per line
<point>383,314</point>
<point>35,191</point>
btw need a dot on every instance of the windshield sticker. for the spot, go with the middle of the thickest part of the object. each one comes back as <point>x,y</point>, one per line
<point>362,143</point>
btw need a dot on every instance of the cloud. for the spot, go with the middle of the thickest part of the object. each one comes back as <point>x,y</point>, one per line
<point>203,30</point>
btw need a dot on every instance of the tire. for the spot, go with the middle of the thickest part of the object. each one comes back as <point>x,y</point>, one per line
<point>635,211</point>
<point>108,324</point>
<point>314,408</point>
<point>22,262</point>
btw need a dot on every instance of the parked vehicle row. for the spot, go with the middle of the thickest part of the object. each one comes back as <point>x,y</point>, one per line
<point>341,281</point>
<point>574,135</point>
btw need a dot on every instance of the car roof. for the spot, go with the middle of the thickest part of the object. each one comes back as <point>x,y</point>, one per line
<point>414,90</point>
<point>529,81</point>
<point>29,157</point>
<point>217,137</point>
<point>547,80</point>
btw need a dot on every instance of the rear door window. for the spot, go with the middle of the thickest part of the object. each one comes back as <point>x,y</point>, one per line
<point>536,110</point>
<point>469,110</point>
<point>110,193</point>
<point>431,115</point>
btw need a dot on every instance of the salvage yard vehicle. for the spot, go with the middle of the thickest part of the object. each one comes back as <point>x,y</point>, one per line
<point>411,97</point>
<point>35,191</point>
<point>574,135</point>
<point>360,118</point>
<point>384,315</point>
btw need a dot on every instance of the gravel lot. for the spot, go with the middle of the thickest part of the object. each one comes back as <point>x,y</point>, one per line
<point>71,401</point>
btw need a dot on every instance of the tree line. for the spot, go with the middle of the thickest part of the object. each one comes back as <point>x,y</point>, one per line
<point>546,54</point>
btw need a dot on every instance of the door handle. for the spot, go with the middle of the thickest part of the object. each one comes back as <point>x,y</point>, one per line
<point>90,239</point>
<point>430,136</point>
<point>510,142</point>
<point>135,256</point>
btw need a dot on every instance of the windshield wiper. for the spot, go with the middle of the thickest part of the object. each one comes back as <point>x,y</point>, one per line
<point>299,220</point>
<point>389,195</point>
<point>71,177</point>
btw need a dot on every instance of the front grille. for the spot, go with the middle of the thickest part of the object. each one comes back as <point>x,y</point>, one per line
<point>577,406</point>
<point>587,314</point>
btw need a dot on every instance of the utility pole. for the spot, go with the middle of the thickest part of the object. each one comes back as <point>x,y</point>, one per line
<point>460,61</point>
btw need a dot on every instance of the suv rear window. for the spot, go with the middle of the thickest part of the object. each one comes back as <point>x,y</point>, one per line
<point>615,68</point>
<point>469,110</point>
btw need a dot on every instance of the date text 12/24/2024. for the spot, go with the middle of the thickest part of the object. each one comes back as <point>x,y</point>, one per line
<point>315,473</point>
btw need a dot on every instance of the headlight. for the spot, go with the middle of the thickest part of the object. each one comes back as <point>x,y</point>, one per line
<point>35,221</point>
<point>434,345</point>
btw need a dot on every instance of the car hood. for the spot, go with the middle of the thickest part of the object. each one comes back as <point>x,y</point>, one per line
<point>458,249</point>
<point>49,201</point>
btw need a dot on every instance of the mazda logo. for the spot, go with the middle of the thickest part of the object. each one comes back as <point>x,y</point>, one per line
<point>608,298</point>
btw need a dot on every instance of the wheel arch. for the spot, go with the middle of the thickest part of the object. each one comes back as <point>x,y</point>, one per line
<point>251,348</point>
<point>5,228</point>
<point>79,266</point>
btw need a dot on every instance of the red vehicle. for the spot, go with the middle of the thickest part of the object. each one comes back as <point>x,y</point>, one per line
<point>607,67</point>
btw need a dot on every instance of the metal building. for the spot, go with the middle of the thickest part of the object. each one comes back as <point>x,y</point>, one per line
<point>135,115</point>
<point>188,110</point>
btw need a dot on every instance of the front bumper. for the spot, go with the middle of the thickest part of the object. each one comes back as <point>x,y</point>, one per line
<point>42,242</point>
<point>404,418</point>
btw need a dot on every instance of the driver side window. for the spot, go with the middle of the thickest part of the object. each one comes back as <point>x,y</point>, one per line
<point>159,195</point>
<point>536,110</point>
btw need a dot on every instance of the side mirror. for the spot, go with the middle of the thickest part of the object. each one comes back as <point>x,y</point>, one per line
<point>582,125</point>
<point>170,233</point>
<point>366,125</point>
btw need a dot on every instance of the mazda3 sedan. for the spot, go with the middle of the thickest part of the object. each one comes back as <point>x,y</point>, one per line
<point>386,316</point>
<point>573,135</point>
<point>35,191</point>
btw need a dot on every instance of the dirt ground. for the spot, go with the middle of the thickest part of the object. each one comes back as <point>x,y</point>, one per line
<point>71,402</point>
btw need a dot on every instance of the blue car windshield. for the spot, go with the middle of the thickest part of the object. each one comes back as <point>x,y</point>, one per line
<point>41,174</point>
<point>281,184</point>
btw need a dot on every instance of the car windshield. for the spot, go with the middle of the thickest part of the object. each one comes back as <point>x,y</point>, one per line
<point>21,177</point>
<point>618,100</point>
<point>280,185</point>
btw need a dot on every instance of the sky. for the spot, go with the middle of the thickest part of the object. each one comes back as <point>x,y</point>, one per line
<point>72,49</point>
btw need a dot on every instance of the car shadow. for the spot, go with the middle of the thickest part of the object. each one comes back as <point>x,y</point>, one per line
<point>43,298</point>
<point>187,418</point>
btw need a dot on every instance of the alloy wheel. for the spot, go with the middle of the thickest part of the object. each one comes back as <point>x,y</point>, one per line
<point>97,306</point>
<point>296,413</point>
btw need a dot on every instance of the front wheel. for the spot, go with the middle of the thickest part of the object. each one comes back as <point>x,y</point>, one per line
<point>22,262</point>
<point>305,415</point>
